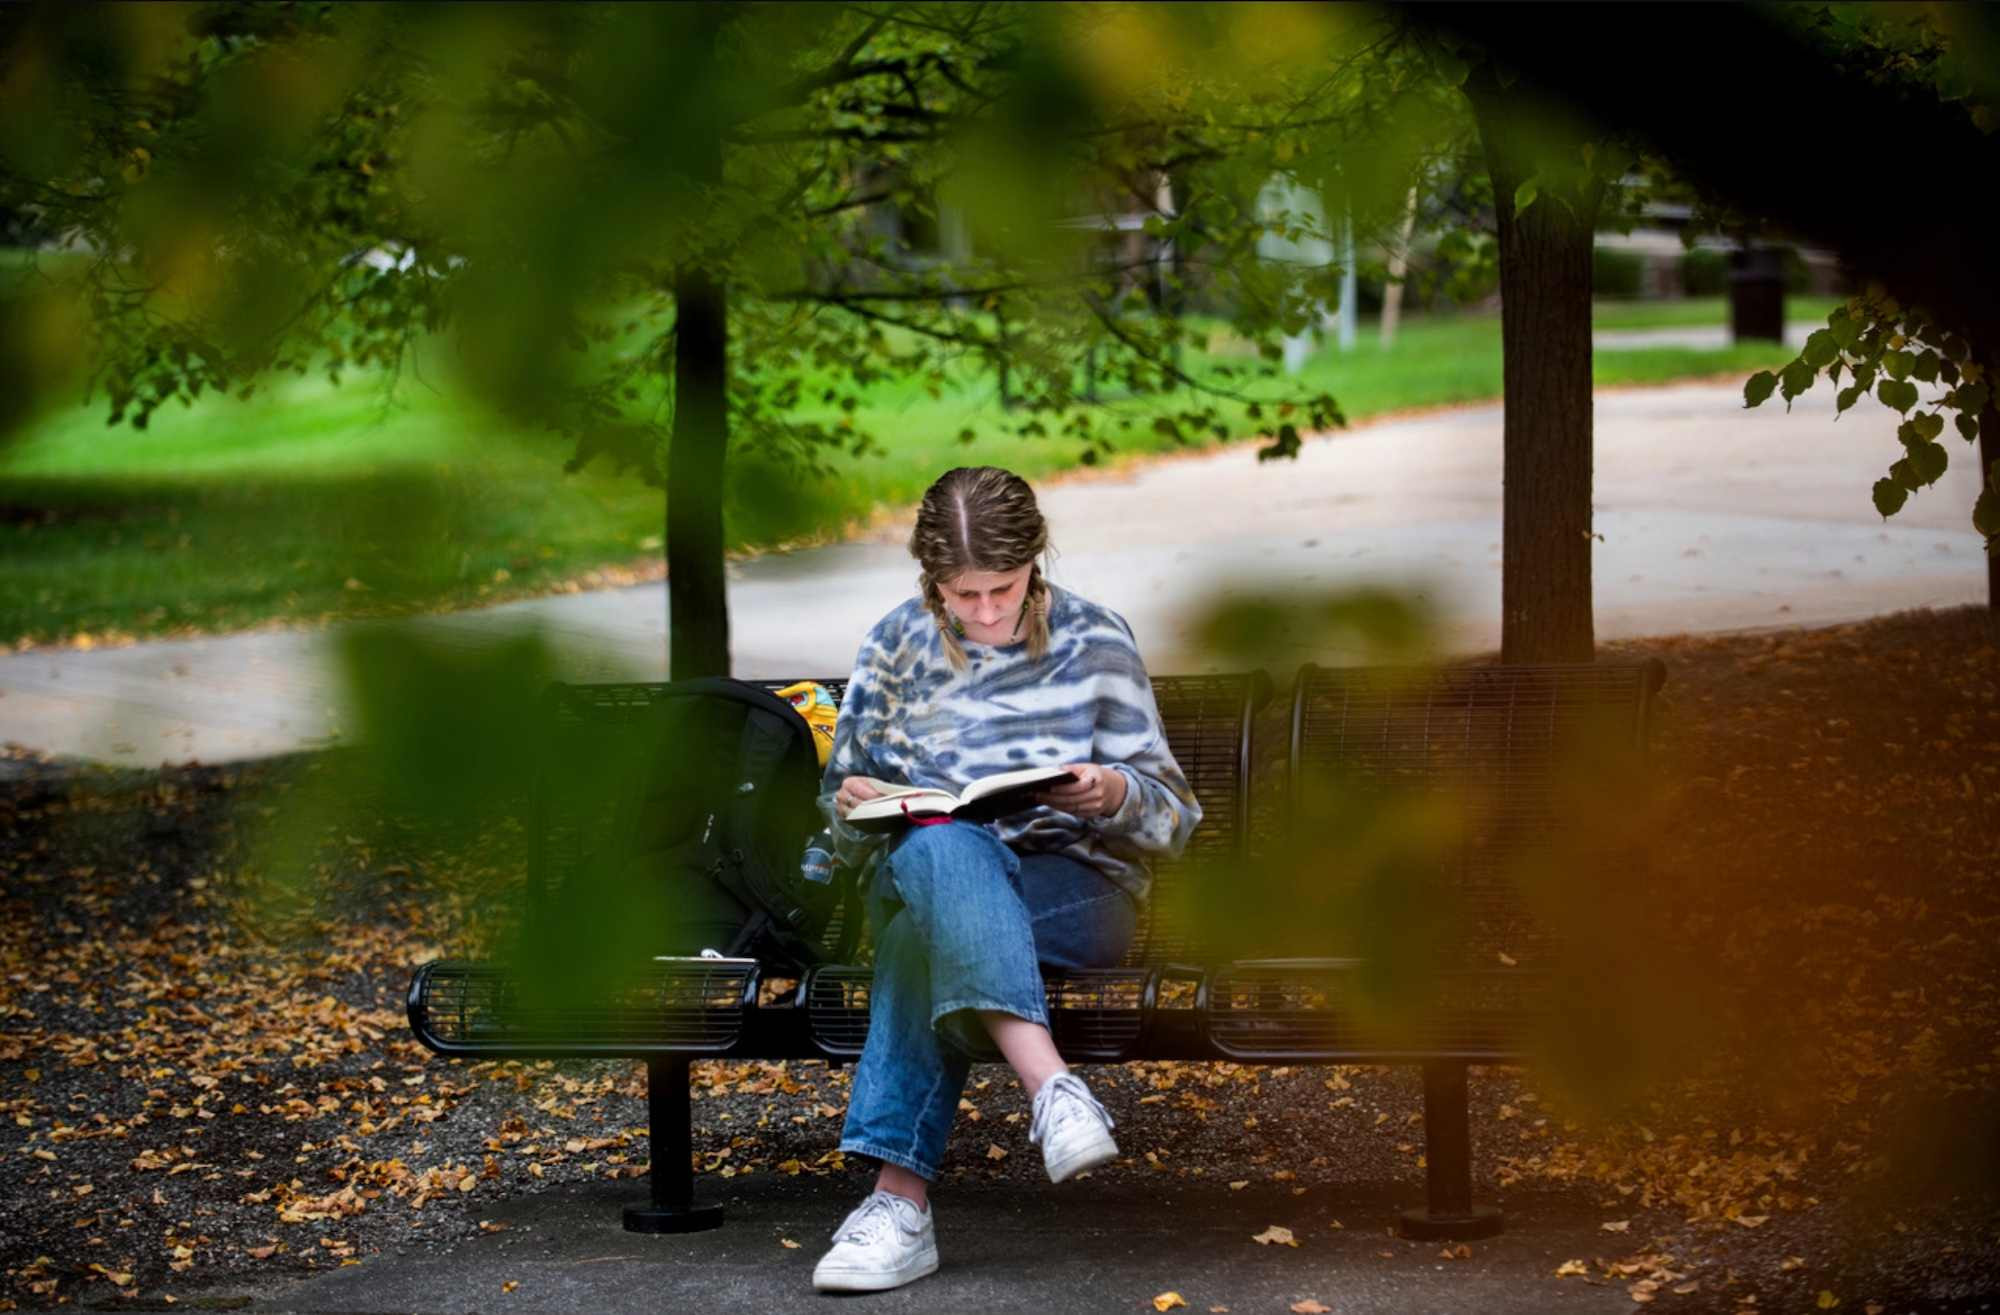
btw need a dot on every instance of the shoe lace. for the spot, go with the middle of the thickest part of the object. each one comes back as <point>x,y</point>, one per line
<point>870,1221</point>
<point>1063,1099</point>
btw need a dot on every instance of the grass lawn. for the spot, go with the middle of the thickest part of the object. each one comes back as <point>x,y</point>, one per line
<point>311,501</point>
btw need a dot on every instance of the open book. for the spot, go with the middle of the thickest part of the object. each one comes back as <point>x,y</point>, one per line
<point>982,801</point>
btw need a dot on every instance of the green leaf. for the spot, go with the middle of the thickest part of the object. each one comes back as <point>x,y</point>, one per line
<point>1968,426</point>
<point>1930,424</point>
<point>1954,79</point>
<point>1847,397</point>
<point>1897,365</point>
<point>1525,194</point>
<point>1451,70</point>
<point>1930,461</point>
<point>1795,379</point>
<point>1926,368</point>
<point>1285,445</point>
<point>1166,428</point>
<point>1973,397</point>
<point>1846,330</point>
<point>1900,395</point>
<point>1889,497</point>
<point>1954,347</point>
<point>1758,387</point>
<point>1986,513</point>
<point>1864,375</point>
<point>1820,349</point>
<point>1904,473</point>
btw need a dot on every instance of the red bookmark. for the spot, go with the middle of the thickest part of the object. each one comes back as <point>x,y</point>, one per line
<point>939,820</point>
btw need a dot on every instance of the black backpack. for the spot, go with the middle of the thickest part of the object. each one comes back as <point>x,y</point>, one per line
<point>726,817</point>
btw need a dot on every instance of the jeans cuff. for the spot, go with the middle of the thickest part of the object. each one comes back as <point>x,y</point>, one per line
<point>924,1171</point>
<point>1037,1012</point>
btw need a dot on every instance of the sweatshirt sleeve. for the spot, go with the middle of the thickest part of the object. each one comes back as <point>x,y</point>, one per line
<point>1159,811</point>
<point>849,757</point>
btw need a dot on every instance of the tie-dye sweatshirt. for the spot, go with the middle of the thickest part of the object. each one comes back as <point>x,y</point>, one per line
<point>909,717</point>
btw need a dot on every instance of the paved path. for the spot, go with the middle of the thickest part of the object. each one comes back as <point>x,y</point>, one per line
<point>564,1251</point>
<point>1714,518</point>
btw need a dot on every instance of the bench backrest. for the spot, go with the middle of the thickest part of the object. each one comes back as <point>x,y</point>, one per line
<point>1494,735</point>
<point>1522,754</point>
<point>1207,721</point>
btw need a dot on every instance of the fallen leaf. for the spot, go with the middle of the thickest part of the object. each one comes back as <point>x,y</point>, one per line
<point>1277,1233</point>
<point>788,1244</point>
<point>261,1253</point>
<point>1827,1301</point>
<point>1311,1307</point>
<point>996,1152</point>
<point>1239,1184</point>
<point>1790,1263</point>
<point>509,1285</point>
<point>1753,1221</point>
<point>1167,1301</point>
<point>1616,1225</point>
<point>1571,1269</point>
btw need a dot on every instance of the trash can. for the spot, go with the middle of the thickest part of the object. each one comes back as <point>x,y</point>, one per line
<point>1757,293</point>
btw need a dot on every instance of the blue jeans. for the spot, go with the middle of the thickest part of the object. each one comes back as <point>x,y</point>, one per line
<point>962,922</point>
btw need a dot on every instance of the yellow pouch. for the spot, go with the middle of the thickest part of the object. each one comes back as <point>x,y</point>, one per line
<point>815,704</point>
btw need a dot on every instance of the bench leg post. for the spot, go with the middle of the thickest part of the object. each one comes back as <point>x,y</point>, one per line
<point>671,1134</point>
<point>1448,1157</point>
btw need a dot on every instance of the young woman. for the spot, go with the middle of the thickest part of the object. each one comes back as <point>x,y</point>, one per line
<point>990,669</point>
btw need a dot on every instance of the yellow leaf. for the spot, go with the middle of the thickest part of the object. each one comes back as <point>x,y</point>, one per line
<point>1509,960</point>
<point>1753,1221</point>
<point>509,1285</point>
<point>1616,1225</point>
<point>1827,1301</point>
<point>1790,1263</point>
<point>1277,1233</point>
<point>996,1152</point>
<point>1311,1307</point>
<point>1167,1301</point>
<point>1239,1184</point>
<point>788,1244</point>
<point>1571,1269</point>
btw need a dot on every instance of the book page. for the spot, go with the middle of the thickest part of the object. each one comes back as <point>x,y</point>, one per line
<point>892,806</point>
<point>1014,780</point>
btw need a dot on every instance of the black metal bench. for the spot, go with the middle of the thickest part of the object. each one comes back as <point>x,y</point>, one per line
<point>1183,993</point>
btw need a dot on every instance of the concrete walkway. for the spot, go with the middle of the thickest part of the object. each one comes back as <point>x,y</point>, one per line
<point>564,1251</point>
<point>1713,518</point>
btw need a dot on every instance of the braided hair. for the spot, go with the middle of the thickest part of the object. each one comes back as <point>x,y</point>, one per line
<point>980,518</point>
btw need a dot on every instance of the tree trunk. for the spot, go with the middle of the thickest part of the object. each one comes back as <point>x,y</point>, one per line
<point>1989,452</point>
<point>697,606</point>
<point>1545,283</point>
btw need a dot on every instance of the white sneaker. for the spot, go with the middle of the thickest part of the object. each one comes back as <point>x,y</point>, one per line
<point>1070,1126</point>
<point>886,1242</point>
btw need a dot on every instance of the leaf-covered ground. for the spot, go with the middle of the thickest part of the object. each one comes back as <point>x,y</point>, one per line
<point>185,1100</point>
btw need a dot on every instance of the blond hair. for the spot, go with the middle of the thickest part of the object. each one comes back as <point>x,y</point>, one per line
<point>980,518</point>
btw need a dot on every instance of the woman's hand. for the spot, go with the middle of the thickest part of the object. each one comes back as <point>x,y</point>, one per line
<point>1097,791</point>
<point>852,791</point>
